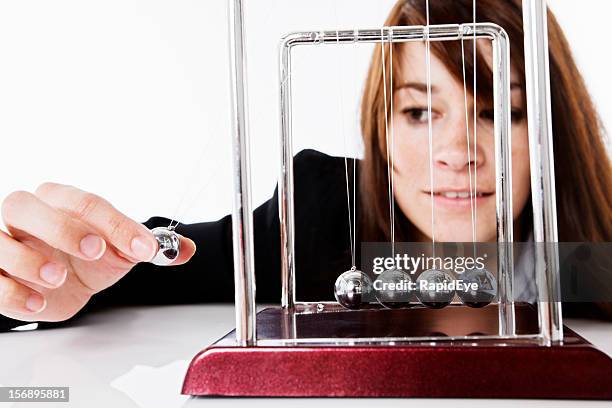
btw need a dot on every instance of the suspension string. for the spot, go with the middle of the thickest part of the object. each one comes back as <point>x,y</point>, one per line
<point>430,128</point>
<point>384,75</point>
<point>355,31</point>
<point>390,33</point>
<point>348,202</point>
<point>209,179</point>
<point>475,118</point>
<point>354,213</point>
<point>180,207</point>
<point>351,219</point>
<point>467,135</point>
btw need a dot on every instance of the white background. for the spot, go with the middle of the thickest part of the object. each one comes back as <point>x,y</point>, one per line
<point>129,98</point>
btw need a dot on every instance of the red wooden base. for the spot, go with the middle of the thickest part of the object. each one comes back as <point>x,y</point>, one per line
<point>575,370</point>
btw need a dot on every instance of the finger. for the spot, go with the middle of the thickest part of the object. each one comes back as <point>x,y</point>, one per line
<point>188,248</point>
<point>25,212</point>
<point>16,297</point>
<point>23,262</point>
<point>128,236</point>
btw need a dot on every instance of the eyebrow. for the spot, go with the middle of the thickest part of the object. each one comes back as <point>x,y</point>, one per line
<point>422,87</point>
<point>417,86</point>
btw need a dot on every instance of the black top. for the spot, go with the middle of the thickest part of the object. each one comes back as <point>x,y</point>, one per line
<point>322,248</point>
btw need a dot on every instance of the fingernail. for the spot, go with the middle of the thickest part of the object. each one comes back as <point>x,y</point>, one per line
<point>191,242</point>
<point>93,247</point>
<point>53,273</point>
<point>35,303</point>
<point>143,248</point>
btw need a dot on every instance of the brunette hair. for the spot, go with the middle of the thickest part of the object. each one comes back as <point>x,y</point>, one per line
<point>582,166</point>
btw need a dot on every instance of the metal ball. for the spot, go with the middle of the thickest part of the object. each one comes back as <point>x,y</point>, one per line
<point>392,289</point>
<point>486,291</point>
<point>169,246</point>
<point>436,298</point>
<point>351,288</point>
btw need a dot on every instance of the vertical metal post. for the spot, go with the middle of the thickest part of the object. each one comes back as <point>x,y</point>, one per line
<point>285,186</point>
<point>543,196</point>
<point>503,174</point>
<point>242,216</point>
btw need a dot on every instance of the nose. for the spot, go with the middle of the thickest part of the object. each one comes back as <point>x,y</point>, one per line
<point>451,150</point>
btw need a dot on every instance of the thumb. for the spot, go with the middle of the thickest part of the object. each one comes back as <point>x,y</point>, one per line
<point>188,249</point>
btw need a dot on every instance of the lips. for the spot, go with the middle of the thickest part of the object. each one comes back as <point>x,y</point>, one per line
<point>459,199</point>
<point>459,194</point>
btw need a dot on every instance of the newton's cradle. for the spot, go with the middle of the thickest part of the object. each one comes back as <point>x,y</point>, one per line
<point>502,349</point>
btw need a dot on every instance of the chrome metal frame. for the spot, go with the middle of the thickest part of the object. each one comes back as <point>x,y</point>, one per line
<point>541,159</point>
<point>502,131</point>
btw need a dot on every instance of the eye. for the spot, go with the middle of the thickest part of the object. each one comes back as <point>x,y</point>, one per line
<point>417,115</point>
<point>517,115</point>
<point>489,115</point>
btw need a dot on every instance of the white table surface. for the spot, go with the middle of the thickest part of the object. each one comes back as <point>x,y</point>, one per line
<point>137,357</point>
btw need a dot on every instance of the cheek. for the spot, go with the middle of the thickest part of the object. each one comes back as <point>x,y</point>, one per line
<point>521,179</point>
<point>411,177</point>
<point>411,158</point>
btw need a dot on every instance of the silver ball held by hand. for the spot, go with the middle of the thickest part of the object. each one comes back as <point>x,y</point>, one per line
<point>169,246</point>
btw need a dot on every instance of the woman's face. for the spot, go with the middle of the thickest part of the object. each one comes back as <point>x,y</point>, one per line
<point>451,181</point>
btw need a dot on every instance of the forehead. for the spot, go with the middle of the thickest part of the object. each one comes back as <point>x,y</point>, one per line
<point>413,66</point>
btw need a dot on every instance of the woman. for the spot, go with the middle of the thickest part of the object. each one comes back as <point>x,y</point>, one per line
<point>68,248</point>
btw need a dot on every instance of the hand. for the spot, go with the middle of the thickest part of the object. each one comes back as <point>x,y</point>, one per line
<point>64,245</point>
